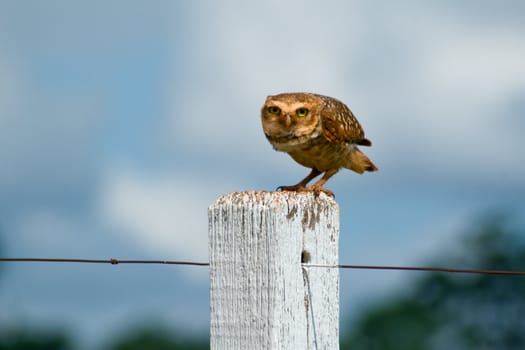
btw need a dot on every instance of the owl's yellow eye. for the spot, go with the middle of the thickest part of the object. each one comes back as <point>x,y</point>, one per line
<point>301,112</point>
<point>274,110</point>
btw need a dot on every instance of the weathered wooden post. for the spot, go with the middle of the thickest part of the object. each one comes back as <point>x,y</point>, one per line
<point>262,295</point>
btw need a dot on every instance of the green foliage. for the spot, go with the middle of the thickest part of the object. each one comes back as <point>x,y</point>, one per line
<point>445,311</point>
<point>33,340</point>
<point>145,339</point>
<point>402,325</point>
<point>140,339</point>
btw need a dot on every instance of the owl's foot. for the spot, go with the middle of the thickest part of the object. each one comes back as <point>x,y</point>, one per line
<point>301,186</point>
<point>294,188</point>
<point>318,189</point>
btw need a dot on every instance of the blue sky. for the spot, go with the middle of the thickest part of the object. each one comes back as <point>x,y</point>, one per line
<point>120,122</point>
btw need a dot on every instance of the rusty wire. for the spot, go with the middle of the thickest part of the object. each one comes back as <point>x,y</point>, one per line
<point>340,266</point>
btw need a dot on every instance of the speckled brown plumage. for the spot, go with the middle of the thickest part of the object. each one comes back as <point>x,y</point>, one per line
<point>319,132</point>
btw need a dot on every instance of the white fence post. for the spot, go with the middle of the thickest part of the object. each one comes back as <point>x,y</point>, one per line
<point>262,297</point>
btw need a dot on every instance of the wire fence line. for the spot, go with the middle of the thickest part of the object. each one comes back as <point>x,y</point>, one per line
<point>105,261</point>
<point>339,266</point>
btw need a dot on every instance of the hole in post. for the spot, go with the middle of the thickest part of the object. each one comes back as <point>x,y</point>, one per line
<point>305,257</point>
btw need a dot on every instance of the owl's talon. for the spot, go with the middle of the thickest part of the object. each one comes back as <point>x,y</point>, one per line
<point>317,191</point>
<point>300,188</point>
<point>294,188</point>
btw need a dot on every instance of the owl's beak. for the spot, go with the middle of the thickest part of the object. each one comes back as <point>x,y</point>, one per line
<point>287,120</point>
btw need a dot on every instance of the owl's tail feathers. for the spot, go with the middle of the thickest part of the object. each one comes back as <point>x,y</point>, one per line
<point>359,162</point>
<point>364,142</point>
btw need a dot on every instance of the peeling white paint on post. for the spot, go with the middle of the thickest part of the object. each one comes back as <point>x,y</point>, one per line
<point>261,297</point>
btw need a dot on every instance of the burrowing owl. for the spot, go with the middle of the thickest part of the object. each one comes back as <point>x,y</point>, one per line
<point>318,132</point>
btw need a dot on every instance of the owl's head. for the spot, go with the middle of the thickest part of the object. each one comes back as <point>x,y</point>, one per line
<point>291,115</point>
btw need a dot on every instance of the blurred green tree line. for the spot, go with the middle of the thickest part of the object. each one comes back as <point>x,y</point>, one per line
<point>139,339</point>
<point>456,311</point>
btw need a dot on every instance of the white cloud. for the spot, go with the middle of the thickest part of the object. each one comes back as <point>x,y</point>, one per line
<point>81,26</point>
<point>166,216</point>
<point>488,64</point>
<point>466,79</point>
<point>11,89</point>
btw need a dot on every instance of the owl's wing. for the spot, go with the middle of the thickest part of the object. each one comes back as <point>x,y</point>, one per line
<point>340,126</point>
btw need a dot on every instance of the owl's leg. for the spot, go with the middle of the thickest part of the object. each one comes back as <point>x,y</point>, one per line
<point>317,187</point>
<point>301,186</point>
